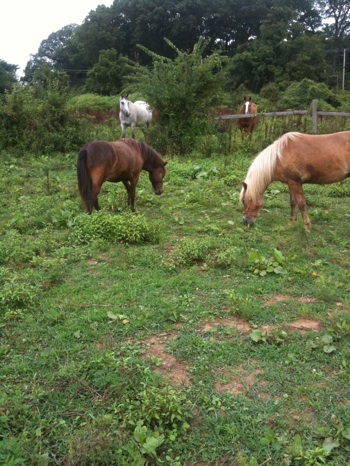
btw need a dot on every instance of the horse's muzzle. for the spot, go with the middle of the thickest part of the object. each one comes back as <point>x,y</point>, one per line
<point>248,221</point>
<point>158,191</point>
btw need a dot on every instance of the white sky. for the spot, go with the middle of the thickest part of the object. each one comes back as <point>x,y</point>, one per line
<point>25,23</point>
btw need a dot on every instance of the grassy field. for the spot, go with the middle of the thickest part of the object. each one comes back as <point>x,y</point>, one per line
<point>175,336</point>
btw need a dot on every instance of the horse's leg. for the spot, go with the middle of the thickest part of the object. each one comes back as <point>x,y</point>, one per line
<point>131,189</point>
<point>133,130</point>
<point>123,127</point>
<point>297,193</point>
<point>293,204</point>
<point>96,205</point>
<point>96,187</point>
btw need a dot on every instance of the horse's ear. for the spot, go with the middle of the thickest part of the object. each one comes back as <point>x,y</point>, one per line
<point>245,186</point>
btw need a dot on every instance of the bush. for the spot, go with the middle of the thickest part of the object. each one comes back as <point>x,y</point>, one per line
<point>300,95</point>
<point>182,91</point>
<point>122,228</point>
<point>38,120</point>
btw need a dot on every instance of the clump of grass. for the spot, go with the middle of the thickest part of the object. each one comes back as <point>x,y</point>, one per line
<point>15,291</point>
<point>187,252</point>
<point>123,228</point>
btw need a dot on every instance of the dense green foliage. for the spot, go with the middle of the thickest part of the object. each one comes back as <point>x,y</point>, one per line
<point>182,91</point>
<point>37,119</point>
<point>7,76</point>
<point>265,41</point>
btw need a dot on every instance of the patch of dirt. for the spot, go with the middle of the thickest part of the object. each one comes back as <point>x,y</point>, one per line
<point>233,322</point>
<point>239,382</point>
<point>167,365</point>
<point>277,299</point>
<point>305,325</point>
<point>241,379</point>
<point>285,297</point>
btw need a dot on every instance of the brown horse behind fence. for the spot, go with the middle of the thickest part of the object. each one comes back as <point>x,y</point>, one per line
<point>248,124</point>
<point>123,160</point>
<point>295,159</point>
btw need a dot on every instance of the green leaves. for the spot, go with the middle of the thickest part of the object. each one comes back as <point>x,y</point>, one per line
<point>260,336</point>
<point>149,441</point>
<point>326,343</point>
<point>122,228</point>
<point>263,265</point>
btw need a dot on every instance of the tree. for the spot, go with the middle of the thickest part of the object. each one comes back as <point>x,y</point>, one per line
<point>182,91</point>
<point>7,76</point>
<point>339,12</point>
<point>283,53</point>
<point>59,53</point>
<point>106,76</point>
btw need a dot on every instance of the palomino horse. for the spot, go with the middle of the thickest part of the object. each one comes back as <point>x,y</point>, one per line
<point>295,159</point>
<point>248,124</point>
<point>123,160</point>
<point>133,114</point>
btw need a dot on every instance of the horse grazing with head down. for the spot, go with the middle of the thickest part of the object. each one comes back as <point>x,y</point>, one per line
<point>123,160</point>
<point>295,159</point>
<point>247,124</point>
<point>133,114</point>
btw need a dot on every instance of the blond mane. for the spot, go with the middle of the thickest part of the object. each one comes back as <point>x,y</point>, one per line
<point>261,171</point>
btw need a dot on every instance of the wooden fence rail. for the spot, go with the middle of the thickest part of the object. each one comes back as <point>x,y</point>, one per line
<point>314,113</point>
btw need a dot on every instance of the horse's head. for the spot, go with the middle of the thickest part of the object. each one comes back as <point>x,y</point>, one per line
<point>124,105</point>
<point>251,209</point>
<point>156,176</point>
<point>247,106</point>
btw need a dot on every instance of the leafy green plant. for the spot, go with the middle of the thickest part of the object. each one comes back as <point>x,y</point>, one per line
<point>326,343</point>
<point>16,293</point>
<point>123,228</point>
<point>263,265</point>
<point>187,252</point>
<point>149,441</point>
<point>224,258</point>
<point>161,408</point>
<point>276,336</point>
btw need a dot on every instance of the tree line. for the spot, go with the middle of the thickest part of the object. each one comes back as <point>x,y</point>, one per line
<point>264,41</point>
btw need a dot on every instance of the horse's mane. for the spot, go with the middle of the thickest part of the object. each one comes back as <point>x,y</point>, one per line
<point>151,155</point>
<point>260,173</point>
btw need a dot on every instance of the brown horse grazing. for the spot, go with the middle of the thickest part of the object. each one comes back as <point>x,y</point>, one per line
<point>296,159</point>
<point>248,124</point>
<point>101,161</point>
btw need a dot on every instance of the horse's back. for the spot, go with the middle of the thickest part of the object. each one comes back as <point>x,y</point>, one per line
<point>144,111</point>
<point>113,161</point>
<point>319,159</point>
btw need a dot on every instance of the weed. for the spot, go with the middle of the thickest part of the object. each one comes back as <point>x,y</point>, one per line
<point>187,252</point>
<point>263,265</point>
<point>122,228</point>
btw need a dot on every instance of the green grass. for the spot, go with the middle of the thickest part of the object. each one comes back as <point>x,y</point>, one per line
<point>163,337</point>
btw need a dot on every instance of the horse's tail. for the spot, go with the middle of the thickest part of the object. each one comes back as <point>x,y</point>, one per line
<point>84,181</point>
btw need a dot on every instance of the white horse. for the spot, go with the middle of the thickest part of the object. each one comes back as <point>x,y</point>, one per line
<point>133,114</point>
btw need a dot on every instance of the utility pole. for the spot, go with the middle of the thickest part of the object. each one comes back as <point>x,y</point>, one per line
<point>344,61</point>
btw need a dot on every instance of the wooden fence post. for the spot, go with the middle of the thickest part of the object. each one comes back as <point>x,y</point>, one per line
<point>314,116</point>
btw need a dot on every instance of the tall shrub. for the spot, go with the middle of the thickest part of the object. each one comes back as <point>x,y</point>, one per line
<point>182,91</point>
<point>38,120</point>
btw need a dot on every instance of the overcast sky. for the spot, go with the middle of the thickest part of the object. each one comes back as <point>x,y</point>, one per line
<point>25,23</point>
